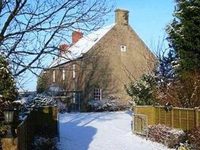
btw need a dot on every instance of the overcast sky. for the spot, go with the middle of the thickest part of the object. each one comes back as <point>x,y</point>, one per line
<point>147,17</point>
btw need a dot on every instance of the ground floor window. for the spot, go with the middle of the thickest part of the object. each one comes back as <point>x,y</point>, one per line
<point>97,94</point>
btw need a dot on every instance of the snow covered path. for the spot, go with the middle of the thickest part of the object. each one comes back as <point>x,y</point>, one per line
<point>101,131</point>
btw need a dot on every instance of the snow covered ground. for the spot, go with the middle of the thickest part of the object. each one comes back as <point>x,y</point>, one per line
<point>101,131</point>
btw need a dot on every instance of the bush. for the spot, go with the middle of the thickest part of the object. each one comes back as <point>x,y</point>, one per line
<point>142,90</point>
<point>42,143</point>
<point>194,138</point>
<point>166,135</point>
<point>8,92</point>
<point>3,129</point>
<point>41,83</point>
<point>105,105</point>
<point>7,84</point>
<point>183,92</point>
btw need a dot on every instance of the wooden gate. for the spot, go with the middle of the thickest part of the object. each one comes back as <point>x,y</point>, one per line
<point>140,124</point>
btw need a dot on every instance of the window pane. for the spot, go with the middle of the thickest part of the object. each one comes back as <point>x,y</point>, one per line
<point>73,71</point>
<point>54,76</point>
<point>63,74</point>
<point>123,48</point>
<point>97,94</point>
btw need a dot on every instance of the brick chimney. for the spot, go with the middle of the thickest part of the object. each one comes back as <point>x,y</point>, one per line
<point>63,48</point>
<point>76,35</point>
<point>121,17</point>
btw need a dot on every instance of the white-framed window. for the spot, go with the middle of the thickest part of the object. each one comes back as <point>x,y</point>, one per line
<point>123,48</point>
<point>97,94</point>
<point>54,76</point>
<point>63,74</point>
<point>74,71</point>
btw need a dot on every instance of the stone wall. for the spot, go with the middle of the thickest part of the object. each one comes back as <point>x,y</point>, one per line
<point>118,58</point>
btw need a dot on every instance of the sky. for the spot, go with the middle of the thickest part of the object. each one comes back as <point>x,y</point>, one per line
<point>147,17</point>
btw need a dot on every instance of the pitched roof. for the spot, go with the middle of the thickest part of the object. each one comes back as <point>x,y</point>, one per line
<point>82,46</point>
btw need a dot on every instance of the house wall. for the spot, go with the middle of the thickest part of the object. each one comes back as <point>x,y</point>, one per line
<point>121,67</point>
<point>105,66</point>
<point>67,83</point>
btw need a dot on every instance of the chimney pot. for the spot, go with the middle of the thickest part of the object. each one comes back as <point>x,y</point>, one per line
<point>121,17</point>
<point>63,48</point>
<point>76,35</point>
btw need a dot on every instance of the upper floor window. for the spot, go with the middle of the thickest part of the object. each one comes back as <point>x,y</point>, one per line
<point>123,48</point>
<point>63,74</point>
<point>73,71</point>
<point>97,94</point>
<point>54,76</point>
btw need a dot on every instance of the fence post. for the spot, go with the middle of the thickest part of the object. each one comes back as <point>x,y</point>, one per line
<point>172,117</point>
<point>135,109</point>
<point>165,117</point>
<point>156,115</point>
<point>153,114</point>
<point>159,115</point>
<point>196,116</point>
<point>179,117</point>
<point>187,120</point>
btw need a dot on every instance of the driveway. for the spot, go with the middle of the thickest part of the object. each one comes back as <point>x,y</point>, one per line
<point>101,131</point>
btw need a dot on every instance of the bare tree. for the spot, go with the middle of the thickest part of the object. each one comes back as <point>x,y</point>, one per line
<point>30,31</point>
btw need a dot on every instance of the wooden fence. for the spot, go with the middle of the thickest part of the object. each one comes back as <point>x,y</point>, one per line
<point>23,136</point>
<point>183,118</point>
<point>35,121</point>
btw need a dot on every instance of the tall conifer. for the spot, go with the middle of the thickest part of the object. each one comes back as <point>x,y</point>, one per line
<point>184,34</point>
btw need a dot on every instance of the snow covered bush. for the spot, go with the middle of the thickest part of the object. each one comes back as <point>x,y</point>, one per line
<point>166,135</point>
<point>110,104</point>
<point>41,100</point>
<point>142,90</point>
<point>42,143</point>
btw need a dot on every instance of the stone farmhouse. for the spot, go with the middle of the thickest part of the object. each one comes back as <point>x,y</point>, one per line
<point>100,64</point>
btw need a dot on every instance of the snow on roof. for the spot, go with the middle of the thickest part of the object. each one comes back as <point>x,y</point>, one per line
<point>82,46</point>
